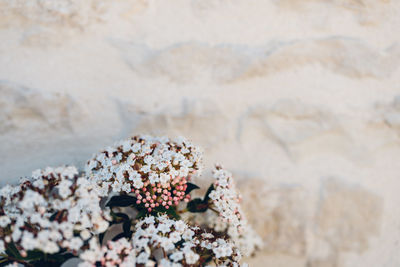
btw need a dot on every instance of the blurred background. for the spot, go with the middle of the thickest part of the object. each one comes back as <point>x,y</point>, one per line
<point>300,99</point>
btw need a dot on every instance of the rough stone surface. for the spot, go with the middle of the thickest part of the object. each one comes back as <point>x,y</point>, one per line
<point>300,99</point>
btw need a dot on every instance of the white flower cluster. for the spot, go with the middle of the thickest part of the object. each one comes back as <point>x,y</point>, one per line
<point>226,201</point>
<point>54,210</point>
<point>167,242</point>
<point>57,214</point>
<point>115,253</point>
<point>143,161</point>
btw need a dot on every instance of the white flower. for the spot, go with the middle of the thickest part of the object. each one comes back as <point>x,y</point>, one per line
<point>134,175</point>
<point>126,187</point>
<point>164,228</point>
<point>136,147</point>
<point>137,183</point>
<point>164,263</point>
<point>126,145</point>
<point>214,195</point>
<point>149,220</point>
<point>164,178</point>
<point>188,234</point>
<point>75,243</point>
<point>191,257</point>
<point>153,178</point>
<point>177,256</point>
<point>145,168</point>
<point>36,174</point>
<point>4,221</point>
<point>175,237</point>
<point>142,258</point>
<point>85,234</point>
<point>180,226</point>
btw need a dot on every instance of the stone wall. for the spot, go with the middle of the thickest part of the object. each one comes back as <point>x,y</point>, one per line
<point>299,99</point>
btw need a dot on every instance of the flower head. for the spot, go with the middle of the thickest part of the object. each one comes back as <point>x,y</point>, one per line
<point>44,212</point>
<point>155,170</point>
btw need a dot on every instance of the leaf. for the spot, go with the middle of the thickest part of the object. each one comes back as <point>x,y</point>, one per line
<point>101,237</point>
<point>5,263</point>
<point>13,251</point>
<point>121,201</point>
<point>120,215</point>
<point>53,217</point>
<point>206,196</point>
<point>119,236</point>
<point>197,205</point>
<point>34,255</point>
<point>172,213</point>
<point>126,226</point>
<point>142,213</point>
<point>190,187</point>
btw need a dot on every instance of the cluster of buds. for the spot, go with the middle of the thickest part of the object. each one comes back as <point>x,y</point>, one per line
<point>166,195</point>
<point>155,170</point>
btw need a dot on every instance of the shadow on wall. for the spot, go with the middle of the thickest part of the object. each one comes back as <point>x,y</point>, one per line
<point>316,231</point>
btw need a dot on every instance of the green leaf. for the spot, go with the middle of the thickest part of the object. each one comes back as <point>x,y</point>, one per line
<point>197,205</point>
<point>53,217</point>
<point>60,258</point>
<point>126,226</point>
<point>121,201</point>
<point>206,196</point>
<point>101,237</point>
<point>13,251</point>
<point>34,255</point>
<point>190,187</point>
<point>120,215</point>
<point>5,263</point>
<point>142,213</point>
<point>172,213</point>
<point>119,236</point>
